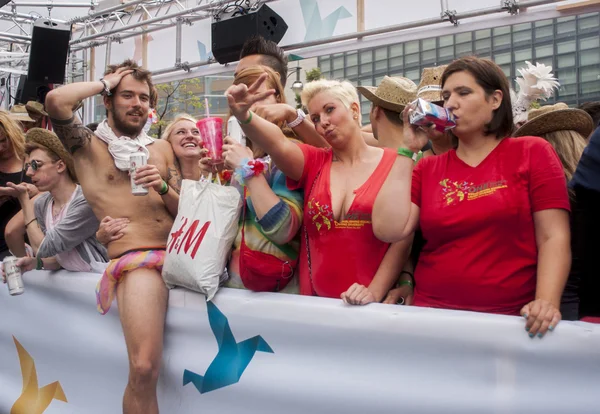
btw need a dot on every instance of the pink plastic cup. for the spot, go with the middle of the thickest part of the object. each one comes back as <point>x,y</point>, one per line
<point>211,131</point>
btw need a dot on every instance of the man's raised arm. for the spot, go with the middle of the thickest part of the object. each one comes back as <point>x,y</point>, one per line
<point>61,101</point>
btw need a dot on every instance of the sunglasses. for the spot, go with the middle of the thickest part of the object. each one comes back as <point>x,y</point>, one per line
<point>34,164</point>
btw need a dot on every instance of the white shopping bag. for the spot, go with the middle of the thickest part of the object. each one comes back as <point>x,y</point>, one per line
<point>200,241</point>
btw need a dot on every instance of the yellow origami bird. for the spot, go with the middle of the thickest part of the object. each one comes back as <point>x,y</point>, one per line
<point>34,400</point>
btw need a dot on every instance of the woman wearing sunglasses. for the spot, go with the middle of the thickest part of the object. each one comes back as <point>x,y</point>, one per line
<point>60,224</point>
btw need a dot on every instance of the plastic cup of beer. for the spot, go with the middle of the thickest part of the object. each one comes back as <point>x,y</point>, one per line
<point>211,131</point>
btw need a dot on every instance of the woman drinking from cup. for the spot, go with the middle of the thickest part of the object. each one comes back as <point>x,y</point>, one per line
<point>493,211</point>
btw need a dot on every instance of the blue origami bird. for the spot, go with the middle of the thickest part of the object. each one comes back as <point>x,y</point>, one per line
<point>232,358</point>
<point>317,27</point>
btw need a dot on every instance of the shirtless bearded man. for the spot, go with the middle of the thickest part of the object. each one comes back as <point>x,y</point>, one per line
<point>101,163</point>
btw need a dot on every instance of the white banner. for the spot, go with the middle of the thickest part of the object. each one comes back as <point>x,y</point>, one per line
<point>295,355</point>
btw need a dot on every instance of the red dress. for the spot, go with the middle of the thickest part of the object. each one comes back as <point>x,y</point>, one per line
<point>480,251</point>
<point>345,252</point>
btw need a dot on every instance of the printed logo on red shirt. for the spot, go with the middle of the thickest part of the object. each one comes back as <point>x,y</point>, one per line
<point>458,191</point>
<point>322,217</point>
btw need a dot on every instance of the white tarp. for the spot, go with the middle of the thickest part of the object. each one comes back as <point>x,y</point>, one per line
<point>327,357</point>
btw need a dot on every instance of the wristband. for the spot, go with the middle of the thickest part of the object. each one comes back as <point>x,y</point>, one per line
<point>40,264</point>
<point>106,90</point>
<point>407,283</point>
<point>247,121</point>
<point>248,168</point>
<point>164,189</point>
<point>298,120</point>
<point>30,221</point>
<point>408,153</point>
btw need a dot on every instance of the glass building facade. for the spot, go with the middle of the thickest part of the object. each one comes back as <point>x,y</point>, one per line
<point>571,45</point>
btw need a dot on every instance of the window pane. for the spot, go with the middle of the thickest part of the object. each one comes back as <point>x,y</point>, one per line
<point>545,32</point>
<point>396,50</point>
<point>589,57</point>
<point>501,30</point>
<point>522,55</point>
<point>366,68</point>
<point>338,62</point>
<point>567,76</point>
<point>381,53</point>
<point>463,49</point>
<point>565,61</point>
<point>352,59</point>
<point>351,71</point>
<point>338,74</point>
<point>446,52</point>
<point>446,41</point>
<point>381,65</point>
<point>411,59</point>
<point>428,56</point>
<point>589,73</point>
<point>542,51</point>
<point>521,27</point>
<point>463,37</point>
<point>325,65</point>
<point>481,46</point>
<point>502,58</point>
<point>396,63</point>
<point>565,25</point>
<point>542,23</point>
<point>482,34</point>
<point>503,40</point>
<point>428,44</point>
<point>567,90</point>
<point>588,21</point>
<point>589,89</point>
<point>411,47</point>
<point>589,43</point>
<point>366,56</point>
<point>565,47</point>
<point>522,36</point>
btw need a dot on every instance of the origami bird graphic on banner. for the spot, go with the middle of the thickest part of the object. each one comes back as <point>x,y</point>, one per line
<point>232,358</point>
<point>34,400</point>
<point>316,27</point>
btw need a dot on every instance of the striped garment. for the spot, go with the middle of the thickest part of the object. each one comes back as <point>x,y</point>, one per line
<point>119,267</point>
<point>280,225</point>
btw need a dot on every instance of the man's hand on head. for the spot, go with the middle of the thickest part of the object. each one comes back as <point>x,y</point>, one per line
<point>113,79</point>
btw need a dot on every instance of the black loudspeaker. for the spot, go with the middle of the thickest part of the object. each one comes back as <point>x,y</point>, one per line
<point>233,29</point>
<point>49,51</point>
<point>31,91</point>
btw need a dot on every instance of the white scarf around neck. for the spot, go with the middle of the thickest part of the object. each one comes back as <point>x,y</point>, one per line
<point>122,147</point>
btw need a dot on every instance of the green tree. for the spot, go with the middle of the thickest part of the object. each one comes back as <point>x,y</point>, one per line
<point>175,98</point>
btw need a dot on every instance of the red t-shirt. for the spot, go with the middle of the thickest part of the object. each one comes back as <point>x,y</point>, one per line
<point>341,253</point>
<point>480,252</point>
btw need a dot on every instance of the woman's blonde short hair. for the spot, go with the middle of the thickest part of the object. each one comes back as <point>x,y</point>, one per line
<point>342,90</point>
<point>181,117</point>
<point>569,146</point>
<point>14,133</point>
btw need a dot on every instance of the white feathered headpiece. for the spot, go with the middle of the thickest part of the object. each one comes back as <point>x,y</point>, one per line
<point>536,83</point>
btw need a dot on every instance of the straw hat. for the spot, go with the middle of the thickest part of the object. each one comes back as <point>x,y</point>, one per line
<point>19,113</point>
<point>558,117</point>
<point>430,86</point>
<point>50,141</point>
<point>36,108</point>
<point>392,93</point>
